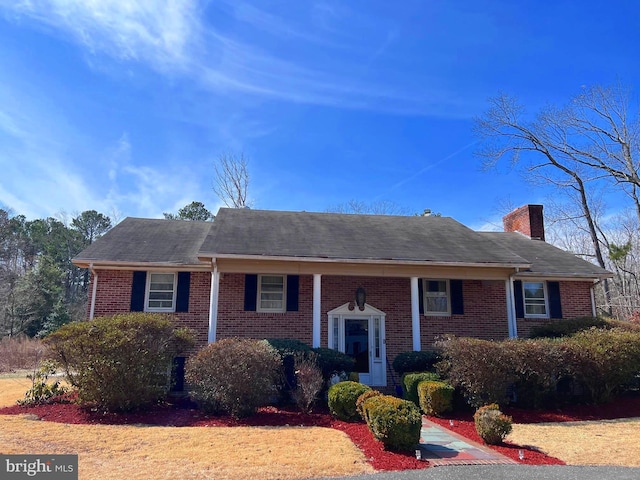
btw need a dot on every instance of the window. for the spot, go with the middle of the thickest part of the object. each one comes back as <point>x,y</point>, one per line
<point>271,293</point>
<point>436,297</point>
<point>161,292</point>
<point>535,299</point>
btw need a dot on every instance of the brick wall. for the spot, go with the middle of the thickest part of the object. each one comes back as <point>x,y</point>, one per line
<point>114,296</point>
<point>575,298</point>
<point>484,308</point>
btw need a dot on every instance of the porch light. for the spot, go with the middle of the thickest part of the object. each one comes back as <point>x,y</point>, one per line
<point>361,297</point>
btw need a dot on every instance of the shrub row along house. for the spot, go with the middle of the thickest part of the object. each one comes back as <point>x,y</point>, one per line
<point>370,286</point>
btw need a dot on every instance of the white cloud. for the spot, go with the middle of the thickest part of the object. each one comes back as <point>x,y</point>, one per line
<point>159,32</point>
<point>287,55</point>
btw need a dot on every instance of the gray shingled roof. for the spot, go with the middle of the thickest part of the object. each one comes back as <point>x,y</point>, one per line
<point>144,240</point>
<point>330,236</point>
<point>244,232</point>
<point>545,259</point>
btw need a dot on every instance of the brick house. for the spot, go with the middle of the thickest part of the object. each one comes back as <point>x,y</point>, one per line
<point>370,286</point>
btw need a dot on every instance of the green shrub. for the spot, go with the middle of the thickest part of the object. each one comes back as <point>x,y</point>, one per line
<point>408,362</point>
<point>363,398</point>
<point>537,365</point>
<point>119,363</point>
<point>410,383</point>
<point>234,375</point>
<point>395,422</point>
<point>333,362</point>
<point>565,328</point>
<point>604,362</point>
<point>342,399</point>
<point>435,397</point>
<point>491,424</point>
<point>288,346</point>
<point>481,369</point>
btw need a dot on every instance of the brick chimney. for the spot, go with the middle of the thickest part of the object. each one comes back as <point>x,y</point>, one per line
<point>527,220</point>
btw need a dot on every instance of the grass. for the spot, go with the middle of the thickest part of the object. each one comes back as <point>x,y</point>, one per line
<point>603,442</point>
<point>141,452</point>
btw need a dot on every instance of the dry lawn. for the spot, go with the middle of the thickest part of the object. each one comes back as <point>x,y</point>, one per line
<point>605,442</point>
<point>142,452</point>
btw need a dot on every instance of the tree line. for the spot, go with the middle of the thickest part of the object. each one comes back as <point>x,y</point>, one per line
<point>40,289</point>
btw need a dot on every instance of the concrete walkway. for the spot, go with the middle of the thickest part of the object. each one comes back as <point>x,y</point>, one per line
<point>441,446</point>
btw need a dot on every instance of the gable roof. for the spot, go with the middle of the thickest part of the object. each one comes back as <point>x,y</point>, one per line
<point>546,259</point>
<point>350,237</point>
<point>329,237</point>
<point>149,242</point>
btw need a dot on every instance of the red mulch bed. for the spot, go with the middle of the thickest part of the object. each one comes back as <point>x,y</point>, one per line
<point>184,414</point>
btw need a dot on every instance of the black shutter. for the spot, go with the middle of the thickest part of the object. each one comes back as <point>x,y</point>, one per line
<point>457,302</point>
<point>182,295</point>
<point>421,296</point>
<point>138,288</point>
<point>519,299</point>
<point>250,292</point>
<point>555,306</point>
<point>293,287</point>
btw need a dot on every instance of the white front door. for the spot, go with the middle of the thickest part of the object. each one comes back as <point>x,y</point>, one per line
<point>361,335</point>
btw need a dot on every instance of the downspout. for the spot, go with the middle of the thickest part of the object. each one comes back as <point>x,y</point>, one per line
<point>213,303</point>
<point>512,321</point>
<point>94,290</point>
<point>594,313</point>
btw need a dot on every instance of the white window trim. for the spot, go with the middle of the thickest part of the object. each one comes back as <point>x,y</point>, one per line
<point>148,287</point>
<point>546,299</point>
<point>425,294</point>
<point>284,294</point>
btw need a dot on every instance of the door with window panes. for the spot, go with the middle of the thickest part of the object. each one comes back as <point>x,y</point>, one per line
<point>361,335</point>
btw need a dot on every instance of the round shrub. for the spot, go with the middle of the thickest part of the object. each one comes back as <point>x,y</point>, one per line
<point>363,398</point>
<point>568,327</point>
<point>410,383</point>
<point>435,397</point>
<point>422,361</point>
<point>491,424</point>
<point>395,422</point>
<point>342,399</point>
<point>288,346</point>
<point>234,375</point>
<point>119,363</point>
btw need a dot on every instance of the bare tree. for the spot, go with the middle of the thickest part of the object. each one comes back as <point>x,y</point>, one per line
<point>232,180</point>
<point>381,207</point>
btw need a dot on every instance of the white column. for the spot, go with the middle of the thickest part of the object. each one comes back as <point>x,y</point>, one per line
<point>511,313</point>
<point>213,304</point>
<point>594,313</point>
<point>415,314</point>
<point>317,291</point>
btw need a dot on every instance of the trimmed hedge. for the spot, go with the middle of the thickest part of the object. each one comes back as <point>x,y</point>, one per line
<point>565,328</point>
<point>342,399</point>
<point>410,383</point>
<point>594,366</point>
<point>333,361</point>
<point>435,397</point>
<point>395,422</point>
<point>122,362</point>
<point>234,375</point>
<point>363,398</point>
<point>407,362</point>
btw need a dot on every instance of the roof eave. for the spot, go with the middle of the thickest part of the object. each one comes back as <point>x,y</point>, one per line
<point>125,265</point>
<point>564,276</point>
<point>368,261</point>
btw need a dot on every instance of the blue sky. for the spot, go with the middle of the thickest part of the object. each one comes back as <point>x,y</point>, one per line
<point>124,106</point>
